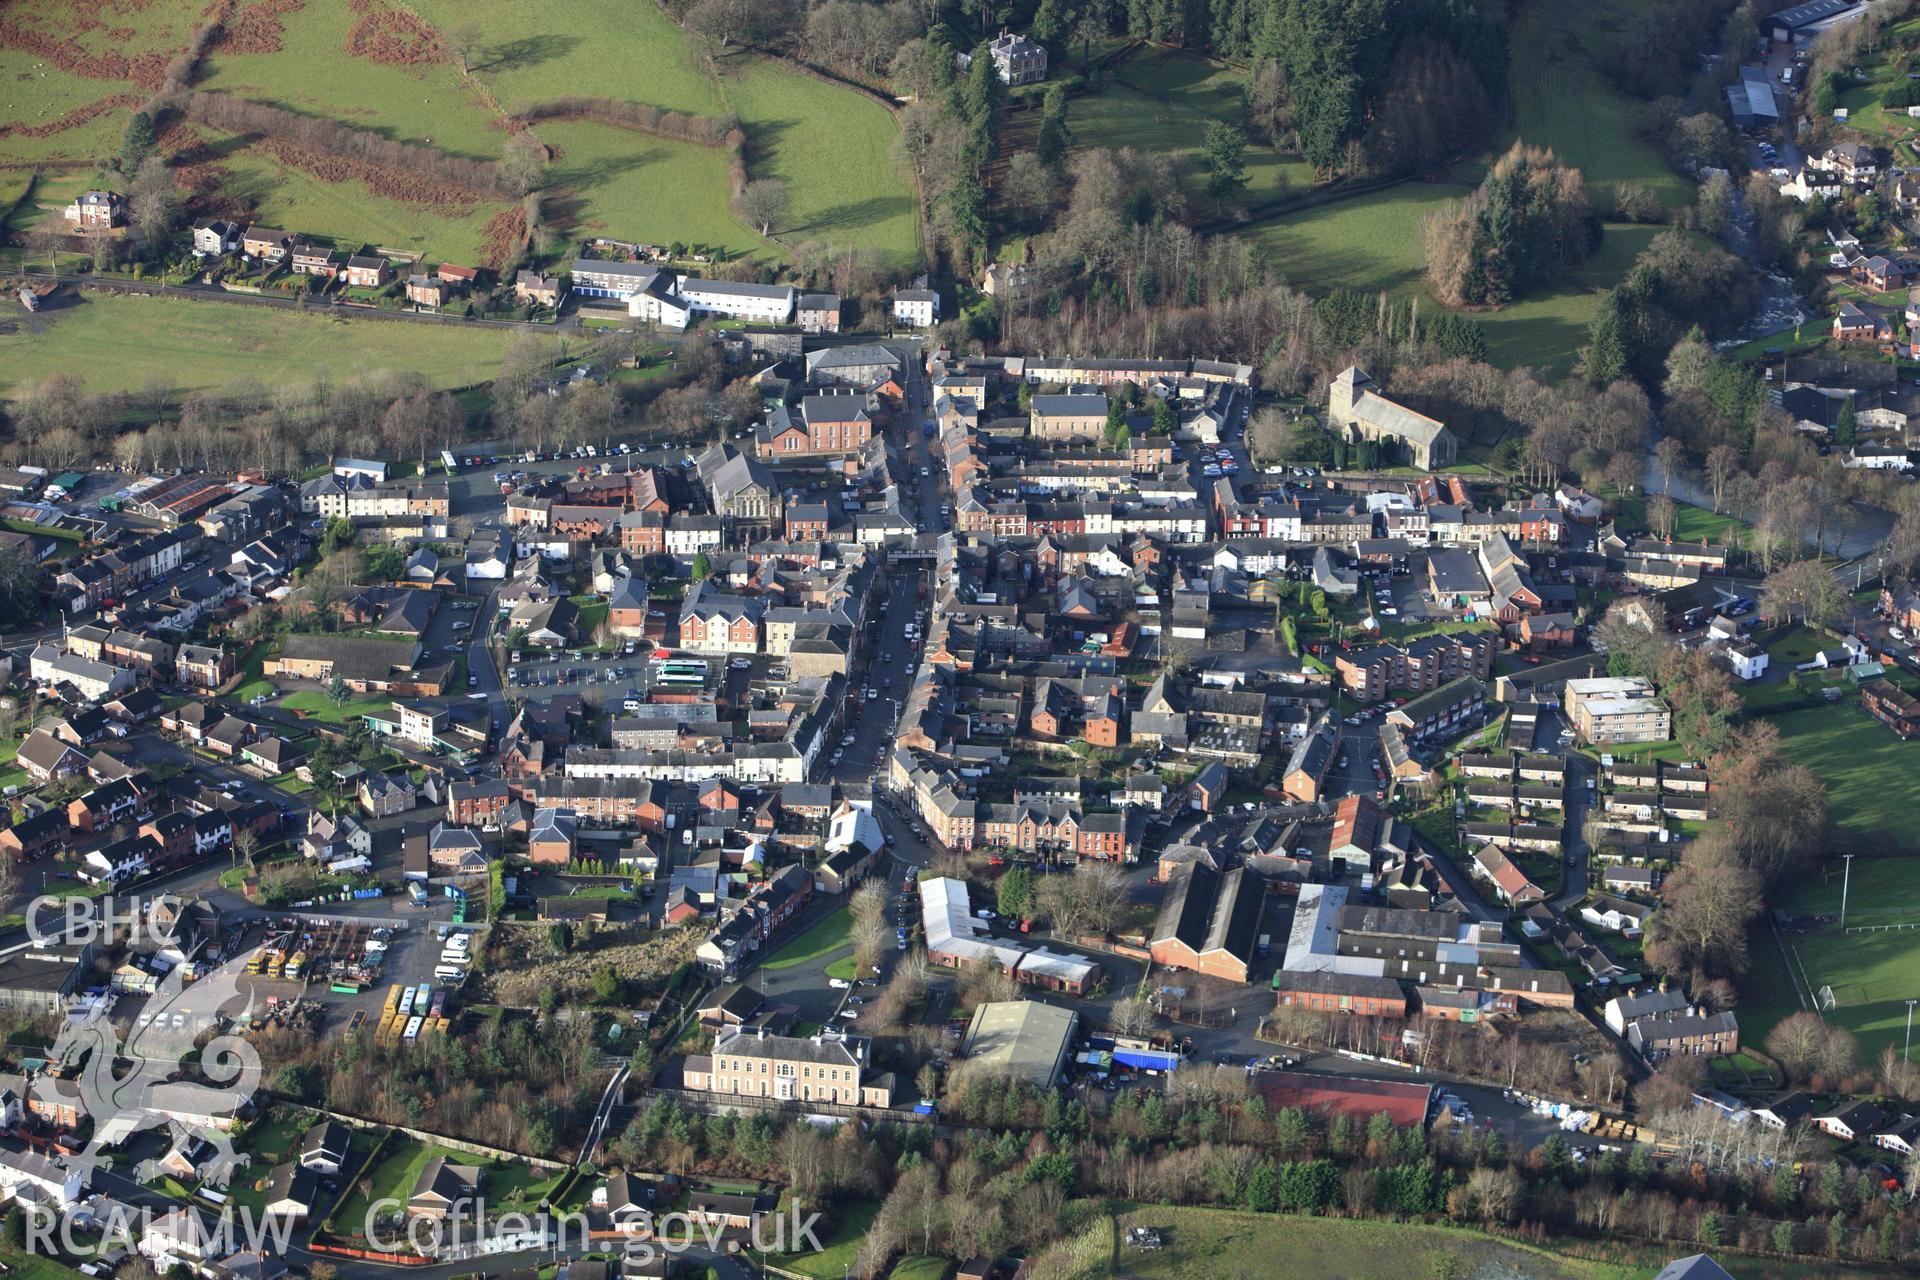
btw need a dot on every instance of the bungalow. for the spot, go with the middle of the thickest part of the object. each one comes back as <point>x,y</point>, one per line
<point>326,1146</point>
<point>1849,1121</point>
<point>1785,1111</point>
<point>269,756</point>
<point>291,1191</point>
<point>46,757</point>
<point>1617,914</point>
<point>1509,881</point>
<point>737,1212</point>
<point>444,1188</point>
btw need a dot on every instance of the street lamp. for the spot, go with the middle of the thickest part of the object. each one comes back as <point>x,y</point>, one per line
<point>1846,881</point>
<point>1907,1054</point>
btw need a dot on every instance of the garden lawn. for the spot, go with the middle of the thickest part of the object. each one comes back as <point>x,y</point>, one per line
<point>1690,523</point>
<point>839,1244</point>
<point>1160,100</point>
<point>346,212</point>
<point>921,1268</point>
<point>829,934</point>
<point>860,198</point>
<point>117,343</point>
<point>401,1161</point>
<point>316,705</point>
<point>1560,100</point>
<point>1873,778</point>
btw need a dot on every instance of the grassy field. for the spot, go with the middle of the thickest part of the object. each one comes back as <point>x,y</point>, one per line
<point>793,121</point>
<point>1372,243</point>
<point>623,184</point>
<point>1547,331</point>
<point>1882,890</point>
<point>314,704</point>
<point>1690,523</point>
<point>1863,102</point>
<point>117,343</point>
<point>104,51</point>
<point>579,47</point>
<point>1561,101</point>
<point>1229,1246</point>
<point>1873,975</point>
<point>1161,100</point>
<point>313,73</point>
<point>1873,784</point>
<point>347,212</point>
<point>840,1242</point>
<point>829,934</point>
<point>1280,1247</point>
<point>921,1268</point>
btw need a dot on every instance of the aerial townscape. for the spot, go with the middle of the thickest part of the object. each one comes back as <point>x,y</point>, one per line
<point>1039,640</point>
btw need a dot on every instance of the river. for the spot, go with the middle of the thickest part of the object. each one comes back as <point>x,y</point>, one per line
<point>1782,306</point>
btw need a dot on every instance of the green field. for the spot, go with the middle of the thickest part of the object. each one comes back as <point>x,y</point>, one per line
<point>921,1268</point>
<point>1160,100</point>
<point>828,935</point>
<point>1561,101</point>
<point>1216,1242</point>
<point>1372,243</point>
<point>347,212</point>
<point>1369,243</point>
<point>118,49</point>
<point>840,1242</point>
<point>583,47</point>
<point>1873,778</point>
<point>118,343</point>
<point>1873,975</point>
<point>1865,113</point>
<point>1882,890</point>
<point>1690,523</point>
<point>623,184</point>
<point>793,122</point>
<point>1228,1246</point>
<point>313,73</point>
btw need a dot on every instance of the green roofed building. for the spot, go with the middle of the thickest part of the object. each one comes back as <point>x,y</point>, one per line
<point>1024,1039</point>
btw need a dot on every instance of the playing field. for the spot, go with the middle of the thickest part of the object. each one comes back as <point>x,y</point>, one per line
<point>118,343</point>
<point>1161,99</point>
<point>1872,974</point>
<point>1873,778</point>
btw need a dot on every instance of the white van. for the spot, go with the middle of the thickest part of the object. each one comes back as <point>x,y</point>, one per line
<point>448,973</point>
